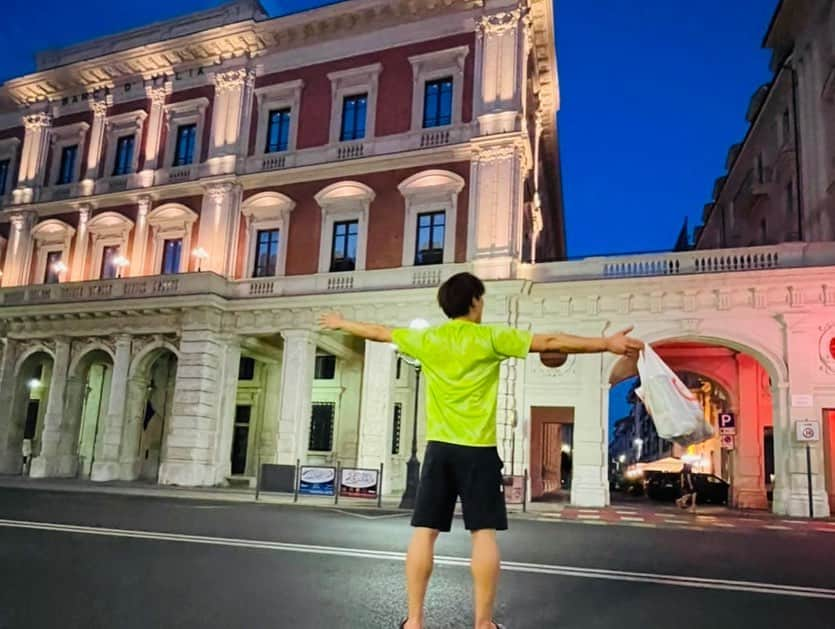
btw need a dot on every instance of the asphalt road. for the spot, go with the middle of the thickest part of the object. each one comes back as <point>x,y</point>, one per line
<point>94,561</point>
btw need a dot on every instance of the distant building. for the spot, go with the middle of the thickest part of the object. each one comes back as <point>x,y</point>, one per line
<point>780,178</point>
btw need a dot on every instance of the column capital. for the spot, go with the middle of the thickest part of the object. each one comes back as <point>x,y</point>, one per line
<point>99,106</point>
<point>158,93</point>
<point>233,79</point>
<point>36,121</point>
<point>144,204</point>
<point>123,340</point>
<point>23,219</point>
<point>298,334</point>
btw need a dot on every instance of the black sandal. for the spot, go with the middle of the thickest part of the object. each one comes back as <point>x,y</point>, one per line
<point>402,624</point>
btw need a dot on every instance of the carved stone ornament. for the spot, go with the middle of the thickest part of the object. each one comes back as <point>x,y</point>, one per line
<point>690,325</point>
<point>37,121</point>
<point>233,79</point>
<point>497,153</point>
<point>499,23</point>
<point>99,107</point>
<point>826,347</point>
<point>539,370</point>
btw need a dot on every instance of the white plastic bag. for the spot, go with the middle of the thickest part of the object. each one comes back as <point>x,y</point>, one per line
<point>677,414</point>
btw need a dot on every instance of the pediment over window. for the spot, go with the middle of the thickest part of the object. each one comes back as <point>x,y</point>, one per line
<point>52,231</point>
<point>267,206</point>
<point>110,223</point>
<point>431,184</point>
<point>345,194</point>
<point>172,215</point>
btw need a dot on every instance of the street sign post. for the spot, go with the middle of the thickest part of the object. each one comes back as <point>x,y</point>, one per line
<point>809,432</point>
<point>727,424</point>
<point>727,442</point>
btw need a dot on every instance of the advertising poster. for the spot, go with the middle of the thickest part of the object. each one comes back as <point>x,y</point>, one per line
<point>358,483</point>
<point>317,481</point>
<point>514,490</point>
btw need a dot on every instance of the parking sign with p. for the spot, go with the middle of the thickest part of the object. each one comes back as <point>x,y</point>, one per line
<point>727,424</point>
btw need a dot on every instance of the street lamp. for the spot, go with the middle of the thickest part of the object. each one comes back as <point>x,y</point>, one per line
<point>407,501</point>
<point>638,442</point>
<point>201,255</point>
<point>59,268</point>
<point>120,262</point>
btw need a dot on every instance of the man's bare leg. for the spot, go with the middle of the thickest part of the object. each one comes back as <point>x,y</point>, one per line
<point>485,568</point>
<point>419,562</point>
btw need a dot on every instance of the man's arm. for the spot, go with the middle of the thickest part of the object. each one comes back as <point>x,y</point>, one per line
<point>370,331</point>
<point>618,343</point>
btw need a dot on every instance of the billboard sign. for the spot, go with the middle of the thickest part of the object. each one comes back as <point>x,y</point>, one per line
<point>359,483</point>
<point>317,481</point>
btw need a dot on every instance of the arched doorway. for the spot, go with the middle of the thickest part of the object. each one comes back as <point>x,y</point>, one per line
<point>29,406</point>
<point>149,406</point>
<point>87,400</point>
<point>728,381</point>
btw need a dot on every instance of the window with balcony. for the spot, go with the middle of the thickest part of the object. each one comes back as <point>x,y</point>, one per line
<point>321,427</point>
<point>172,253</point>
<point>66,169</point>
<point>278,130</point>
<point>124,156</point>
<point>109,269</point>
<point>185,145</point>
<point>266,253</point>
<point>354,111</point>
<point>52,273</point>
<point>344,249</point>
<point>5,167</point>
<point>431,228</point>
<point>437,103</point>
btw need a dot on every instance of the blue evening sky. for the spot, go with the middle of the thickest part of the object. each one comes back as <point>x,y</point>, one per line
<point>653,94</point>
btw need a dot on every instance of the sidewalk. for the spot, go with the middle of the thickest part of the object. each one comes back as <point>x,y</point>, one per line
<point>632,513</point>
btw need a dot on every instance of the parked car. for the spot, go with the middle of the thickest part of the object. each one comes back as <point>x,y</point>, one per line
<point>666,487</point>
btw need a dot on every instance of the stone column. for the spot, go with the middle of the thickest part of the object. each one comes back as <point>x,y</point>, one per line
<point>268,446</point>
<point>109,440</point>
<point>295,408</point>
<point>501,70</point>
<point>749,481</point>
<point>140,237</point>
<point>54,458</point>
<point>79,259</point>
<point>791,491</point>
<point>220,218</point>
<point>191,452</point>
<point>496,207</point>
<point>94,151</point>
<point>19,251</point>
<point>230,117</point>
<point>229,390</point>
<point>377,409</point>
<point>589,475</point>
<point>157,94</point>
<point>10,429</point>
<point>33,157</point>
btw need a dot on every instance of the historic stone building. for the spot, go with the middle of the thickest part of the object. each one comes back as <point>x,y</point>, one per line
<point>181,202</point>
<point>780,184</point>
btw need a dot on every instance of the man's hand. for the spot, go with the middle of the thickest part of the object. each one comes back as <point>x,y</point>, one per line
<point>624,345</point>
<point>331,321</point>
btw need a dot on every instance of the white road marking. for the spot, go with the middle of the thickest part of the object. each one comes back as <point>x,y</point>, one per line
<point>371,517</point>
<point>509,566</point>
<point>631,519</point>
<point>587,516</point>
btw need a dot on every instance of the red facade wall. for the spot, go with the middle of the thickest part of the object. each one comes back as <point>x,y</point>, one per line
<point>385,223</point>
<point>394,100</point>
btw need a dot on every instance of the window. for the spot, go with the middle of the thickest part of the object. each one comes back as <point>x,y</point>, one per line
<point>395,433</point>
<point>266,253</point>
<point>344,251</point>
<point>246,368</point>
<point>52,274</point>
<point>429,248</point>
<point>108,265</point>
<point>184,148</point>
<point>437,103</point>
<point>5,165</point>
<point>354,110</point>
<point>278,130</point>
<point>321,427</point>
<point>790,197</point>
<point>325,368</point>
<point>66,171</point>
<point>124,156</point>
<point>172,251</point>
<point>240,439</point>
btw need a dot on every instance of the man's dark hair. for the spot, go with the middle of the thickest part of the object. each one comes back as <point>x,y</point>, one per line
<point>457,294</point>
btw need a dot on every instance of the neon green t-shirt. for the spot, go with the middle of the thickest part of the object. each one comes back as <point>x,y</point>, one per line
<point>461,362</point>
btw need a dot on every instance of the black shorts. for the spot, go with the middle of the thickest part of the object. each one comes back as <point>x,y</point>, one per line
<point>472,473</point>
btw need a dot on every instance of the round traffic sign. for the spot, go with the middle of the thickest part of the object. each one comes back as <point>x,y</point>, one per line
<point>808,432</point>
